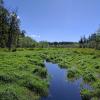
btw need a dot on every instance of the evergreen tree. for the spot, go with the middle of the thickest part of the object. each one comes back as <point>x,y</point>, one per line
<point>93,41</point>
<point>14,31</point>
<point>81,42</point>
<point>4,24</point>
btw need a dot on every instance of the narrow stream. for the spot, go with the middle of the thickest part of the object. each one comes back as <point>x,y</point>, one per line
<point>60,87</point>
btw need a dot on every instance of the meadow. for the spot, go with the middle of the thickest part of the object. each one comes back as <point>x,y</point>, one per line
<point>23,75</point>
<point>83,63</point>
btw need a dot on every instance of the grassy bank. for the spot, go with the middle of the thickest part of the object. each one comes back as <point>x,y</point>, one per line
<point>83,63</point>
<point>24,77</point>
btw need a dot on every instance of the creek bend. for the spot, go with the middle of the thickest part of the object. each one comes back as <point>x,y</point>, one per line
<point>60,87</point>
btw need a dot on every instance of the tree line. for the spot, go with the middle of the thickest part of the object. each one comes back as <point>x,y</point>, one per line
<point>11,36</point>
<point>93,41</point>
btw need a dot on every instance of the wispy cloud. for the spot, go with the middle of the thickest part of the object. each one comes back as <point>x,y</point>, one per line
<point>18,17</point>
<point>34,35</point>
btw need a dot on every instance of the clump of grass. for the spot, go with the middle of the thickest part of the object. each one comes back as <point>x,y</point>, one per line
<point>97,66</point>
<point>89,76</point>
<point>36,62</point>
<point>8,95</point>
<point>40,72</point>
<point>8,78</point>
<point>85,94</point>
<point>15,92</point>
<point>90,94</point>
<point>36,85</point>
<point>72,73</point>
<point>94,98</point>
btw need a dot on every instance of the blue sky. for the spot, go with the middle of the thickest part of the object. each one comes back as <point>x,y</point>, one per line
<point>57,20</point>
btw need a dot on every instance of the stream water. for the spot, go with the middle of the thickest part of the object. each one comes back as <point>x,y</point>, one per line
<point>60,87</point>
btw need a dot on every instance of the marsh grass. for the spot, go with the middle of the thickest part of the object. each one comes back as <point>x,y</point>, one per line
<point>23,75</point>
<point>83,63</point>
<point>17,80</point>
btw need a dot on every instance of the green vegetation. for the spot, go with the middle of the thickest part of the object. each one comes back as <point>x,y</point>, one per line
<point>83,63</point>
<point>93,41</point>
<point>24,70</point>
<point>22,76</point>
<point>12,37</point>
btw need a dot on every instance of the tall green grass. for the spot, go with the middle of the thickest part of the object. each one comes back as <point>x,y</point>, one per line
<point>22,75</point>
<point>83,63</point>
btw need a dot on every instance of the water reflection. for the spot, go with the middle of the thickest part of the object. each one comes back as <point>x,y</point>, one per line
<point>61,88</point>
